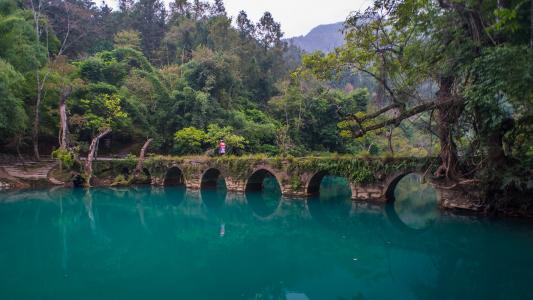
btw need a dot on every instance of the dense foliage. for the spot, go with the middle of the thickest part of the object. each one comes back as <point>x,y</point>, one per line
<point>166,69</point>
<point>415,78</point>
<point>169,71</point>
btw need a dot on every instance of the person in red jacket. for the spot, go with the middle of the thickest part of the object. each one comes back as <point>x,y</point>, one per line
<point>222,147</point>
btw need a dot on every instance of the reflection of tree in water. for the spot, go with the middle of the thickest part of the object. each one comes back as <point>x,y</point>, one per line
<point>68,220</point>
<point>88,201</point>
<point>141,195</point>
<point>415,202</point>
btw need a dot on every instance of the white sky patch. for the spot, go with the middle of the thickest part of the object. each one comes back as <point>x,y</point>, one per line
<point>297,17</point>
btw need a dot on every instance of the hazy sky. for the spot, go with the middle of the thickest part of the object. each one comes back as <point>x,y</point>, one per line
<point>297,17</point>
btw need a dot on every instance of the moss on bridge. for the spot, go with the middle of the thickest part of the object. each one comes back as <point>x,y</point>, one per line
<point>361,170</point>
<point>355,169</point>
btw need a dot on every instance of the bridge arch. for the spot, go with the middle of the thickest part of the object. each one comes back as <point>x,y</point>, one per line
<point>313,185</point>
<point>412,204</point>
<point>210,178</point>
<point>174,177</point>
<point>213,194</point>
<point>392,181</point>
<point>255,182</point>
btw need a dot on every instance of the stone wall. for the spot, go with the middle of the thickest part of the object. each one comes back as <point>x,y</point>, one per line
<point>371,192</point>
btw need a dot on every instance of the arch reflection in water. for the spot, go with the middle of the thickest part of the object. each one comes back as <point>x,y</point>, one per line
<point>213,190</point>
<point>213,179</point>
<point>263,193</point>
<point>169,195</point>
<point>262,180</point>
<point>414,204</point>
<point>330,202</point>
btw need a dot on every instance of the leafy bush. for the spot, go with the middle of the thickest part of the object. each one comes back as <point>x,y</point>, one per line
<point>64,156</point>
<point>216,133</point>
<point>131,159</point>
<point>91,69</point>
<point>189,140</point>
<point>13,118</point>
<point>120,180</point>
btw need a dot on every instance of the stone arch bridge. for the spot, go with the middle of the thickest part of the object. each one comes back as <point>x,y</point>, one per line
<point>370,179</point>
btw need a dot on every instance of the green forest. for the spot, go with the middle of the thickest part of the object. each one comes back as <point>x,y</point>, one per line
<point>416,78</point>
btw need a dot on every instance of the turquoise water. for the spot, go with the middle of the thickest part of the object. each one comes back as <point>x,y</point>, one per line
<point>169,243</point>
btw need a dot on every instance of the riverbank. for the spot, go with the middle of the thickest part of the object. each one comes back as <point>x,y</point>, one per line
<point>22,174</point>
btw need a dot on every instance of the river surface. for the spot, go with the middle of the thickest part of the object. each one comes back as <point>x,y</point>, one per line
<point>170,243</point>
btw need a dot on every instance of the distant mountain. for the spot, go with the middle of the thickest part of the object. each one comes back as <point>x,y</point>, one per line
<point>323,38</point>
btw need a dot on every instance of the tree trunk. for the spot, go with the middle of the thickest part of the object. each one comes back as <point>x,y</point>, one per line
<point>90,156</point>
<point>17,145</point>
<point>495,152</point>
<point>36,12</point>
<point>35,130</point>
<point>389,140</point>
<point>380,93</point>
<point>63,129</point>
<point>140,163</point>
<point>40,82</point>
<point>447,116</point>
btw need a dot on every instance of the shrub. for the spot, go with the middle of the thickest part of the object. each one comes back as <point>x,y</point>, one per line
<point>64,156</point>
<point>189,140</point>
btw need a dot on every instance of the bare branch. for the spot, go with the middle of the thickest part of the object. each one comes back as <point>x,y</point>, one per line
<point>380,80</point>
<point>64,43</point>
<point>140,162</point>
<point>379,112</point>
<point>90,157</point>
<point>397,120</point>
